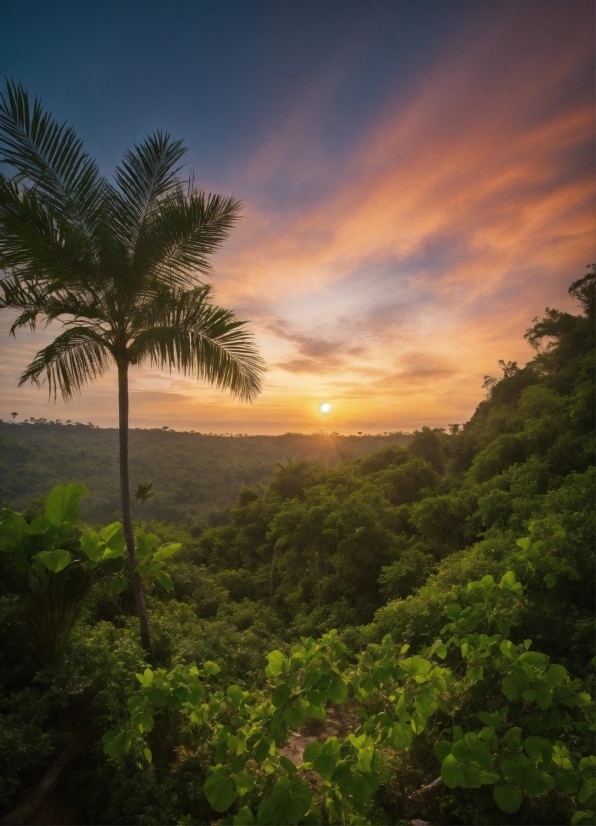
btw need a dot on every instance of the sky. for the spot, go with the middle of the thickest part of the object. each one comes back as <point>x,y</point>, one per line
<point>417,181</point>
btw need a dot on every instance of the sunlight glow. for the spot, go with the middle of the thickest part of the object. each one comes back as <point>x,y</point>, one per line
<point>325,408</point>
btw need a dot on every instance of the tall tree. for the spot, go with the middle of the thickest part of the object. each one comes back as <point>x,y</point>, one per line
<point>119,264</point>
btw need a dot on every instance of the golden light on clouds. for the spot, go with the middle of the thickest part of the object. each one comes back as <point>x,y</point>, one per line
<point>392,280</point>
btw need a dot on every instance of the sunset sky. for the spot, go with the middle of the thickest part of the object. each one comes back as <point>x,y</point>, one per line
<point>417,180</point>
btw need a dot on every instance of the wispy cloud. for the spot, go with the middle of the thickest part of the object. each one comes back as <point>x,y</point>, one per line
<point>390,276</point>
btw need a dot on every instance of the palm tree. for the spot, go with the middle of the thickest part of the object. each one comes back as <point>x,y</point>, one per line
<point>143,492</point>
<point>118,265</point>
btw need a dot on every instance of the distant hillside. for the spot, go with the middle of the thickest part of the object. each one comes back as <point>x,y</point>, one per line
<point>194,475</point>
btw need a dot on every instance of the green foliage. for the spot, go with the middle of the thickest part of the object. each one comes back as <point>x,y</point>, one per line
<point>149,557</point>
<point>528,747</point>
<point>53,581</point>
<point>464,676</point>
<point>199,475</point>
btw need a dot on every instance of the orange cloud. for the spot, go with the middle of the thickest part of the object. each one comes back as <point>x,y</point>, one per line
<point>461,212</point>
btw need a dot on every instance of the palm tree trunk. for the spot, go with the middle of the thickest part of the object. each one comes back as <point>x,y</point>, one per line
<point>137,582</point>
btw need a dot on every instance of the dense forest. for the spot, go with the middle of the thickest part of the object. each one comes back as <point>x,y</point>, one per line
<point>421,618</point>
<point>194,476</point>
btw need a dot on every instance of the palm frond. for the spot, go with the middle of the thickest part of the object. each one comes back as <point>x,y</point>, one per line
<point>186,332</point>
<point>71,361</point>
<point>32,299</point>
<point>51,158</point>
<point>146,174</point>
<point>182,232</point>
<point>37,242</point>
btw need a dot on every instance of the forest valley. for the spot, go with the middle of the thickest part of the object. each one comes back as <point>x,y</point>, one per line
<point>404,636</point>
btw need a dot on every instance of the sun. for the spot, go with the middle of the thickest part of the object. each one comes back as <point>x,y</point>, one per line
<point>325,407</point>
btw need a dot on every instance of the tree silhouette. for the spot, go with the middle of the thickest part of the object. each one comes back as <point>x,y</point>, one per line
<point>118,265</point>
<point>144,492</point>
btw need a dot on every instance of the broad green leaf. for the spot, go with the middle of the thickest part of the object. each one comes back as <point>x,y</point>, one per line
<point>441,651</point>
<point>219,790</point>
<point>555,675</point>
<point>474,673</point>
<point>360,786</point>
<point>62,504</point>
<point>118,584</point>
<point>418,722</point>
<point>488,778</point>
<point>12,531</point>
<point>425,704</point>
<point>508,649</point>
<point>287,764</point>
<point>312,751</point>
<point>537,782</point>
<point>400,737</point>
<point>164,553</point>
<point>55,561</point>
<point>115,743</point>
<point>587,790</point>
<point>533,658</point>
<point>164,579</point>
<point>451,772</point>
<point>244,817</point>
<point>508,798</point>
<point>276,663</point>
<point>365,688</point>
<point>311,678</point>
<point>503,627</point>
<point>481,754</point>
<point>234,692</point>
<point>580,817</point>
<point>568,781</point>
<point>112,536</point>
<point>337,690</point>
<point>145,679</point>
<point>261,749</point>
<point>145,543</point>
<point>538,749</point>
<point>114,552</point>
<point>442,749</point>
<point>453,611</point>
<point>294,715</point>
<point>288,803</point>
<point>210,668</point>
<point>144,721</point>
<point>515,683</point>
<point>313,817</point>
<point>243,782</point>
<point>325,764</point>
<point>416,666</point>
<point>550,580</point>
<point>365,757</point>
<point>147,755</point>
<point>472,775</point>
<point>46,535</point>
<point>492,718</point>
<point>281,695</point>
<point>525,544</point>
<point>91,545</point>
